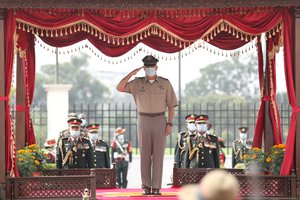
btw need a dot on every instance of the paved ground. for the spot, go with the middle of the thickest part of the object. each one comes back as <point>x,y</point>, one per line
<point>134,177</point>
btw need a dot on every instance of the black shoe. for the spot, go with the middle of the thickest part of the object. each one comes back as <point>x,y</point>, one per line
<point>146,191</point>
<point>155,191</point>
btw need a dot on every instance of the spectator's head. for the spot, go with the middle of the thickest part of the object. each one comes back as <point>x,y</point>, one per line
<point>215,185</point>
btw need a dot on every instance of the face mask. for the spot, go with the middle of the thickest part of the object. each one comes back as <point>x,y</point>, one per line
<point>121,139</point>
<point>74,134</point>
<point>83,123</point>
<point>243,136</point>
<point>201,128</point>
<point>94,137</point>
<point>191,127</point>
<point>150,71</point>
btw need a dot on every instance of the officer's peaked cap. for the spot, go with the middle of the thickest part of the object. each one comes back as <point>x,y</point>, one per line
<point>149,60</point>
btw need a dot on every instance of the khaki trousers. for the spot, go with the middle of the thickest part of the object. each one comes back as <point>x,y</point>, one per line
<point>152,140</point>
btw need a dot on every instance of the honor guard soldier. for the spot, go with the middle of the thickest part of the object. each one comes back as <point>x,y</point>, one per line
<point>221,152</point>
<point>240,147</point>
<point>50,150</point>
<point>74,151</point>
<point>100,147</point>
<point>180,146</point>
<point>121,153</point>
<point>203,150</point>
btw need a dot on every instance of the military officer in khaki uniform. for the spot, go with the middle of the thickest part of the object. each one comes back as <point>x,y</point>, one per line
<point>180,146</point>
<point>240,147</point>
<point>100,147</point>
<point>152,94</point>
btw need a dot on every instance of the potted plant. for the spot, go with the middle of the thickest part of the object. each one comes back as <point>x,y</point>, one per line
<point>30,160</point>
<point>255,161</point>
<point>275,159</point>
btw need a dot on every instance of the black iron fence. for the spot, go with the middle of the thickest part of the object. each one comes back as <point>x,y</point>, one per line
<point>226,119</point>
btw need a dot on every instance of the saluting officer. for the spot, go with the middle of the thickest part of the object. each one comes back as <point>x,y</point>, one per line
<point>100,147</point>
<point>153,95</point>
<point>203,150</point>
<point>74,151</point>
<point>180,146</point>
<point>240,147</point>
<point>121,153</point>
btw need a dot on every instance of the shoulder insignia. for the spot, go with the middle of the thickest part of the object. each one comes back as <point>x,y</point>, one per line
<point>163,78</point>
<point>213,136</point>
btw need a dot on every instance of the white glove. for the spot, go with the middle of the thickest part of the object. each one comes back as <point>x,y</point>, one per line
<point>127,157</point>
<point>116,154</point>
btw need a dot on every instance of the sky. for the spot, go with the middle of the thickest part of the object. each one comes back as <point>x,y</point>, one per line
<point>111,71</point>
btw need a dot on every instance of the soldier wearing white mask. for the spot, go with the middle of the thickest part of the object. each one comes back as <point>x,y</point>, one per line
<point>202,151</point>
<point>241,146</point>
<point>83,125</point>
<point>74,151</point>
<point>100,147</point>
<point>121,153</point>
<point>180,146</point>
<point>153,96</point>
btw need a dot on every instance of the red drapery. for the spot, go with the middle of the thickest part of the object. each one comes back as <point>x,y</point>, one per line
<point>289,156</point>
<point>274,113</point>
<point>257,140</point>
<point>9,30</point>
<point>115,35</point>
<point>28,64</point>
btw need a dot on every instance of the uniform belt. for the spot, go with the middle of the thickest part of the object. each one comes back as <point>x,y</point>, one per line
<point>152,114</point>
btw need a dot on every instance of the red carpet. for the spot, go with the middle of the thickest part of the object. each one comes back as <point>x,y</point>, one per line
<point>132,194</point>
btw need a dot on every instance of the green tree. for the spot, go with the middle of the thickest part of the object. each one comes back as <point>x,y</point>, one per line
<point>85,88</point>
<point>226,81</point>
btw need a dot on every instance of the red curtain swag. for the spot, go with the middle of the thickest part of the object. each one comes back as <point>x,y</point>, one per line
<point>116,35</point>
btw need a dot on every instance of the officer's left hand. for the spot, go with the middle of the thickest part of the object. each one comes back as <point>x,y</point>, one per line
<point>168,130</point>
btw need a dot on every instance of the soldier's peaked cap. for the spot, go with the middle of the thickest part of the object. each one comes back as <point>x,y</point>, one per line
<point>190,118</point>
<point>202,118</point>
<point>74,122</point>
<point>93,127</point>
<point>243,129</point>
<point>119,131</point>
<point>149,61</point>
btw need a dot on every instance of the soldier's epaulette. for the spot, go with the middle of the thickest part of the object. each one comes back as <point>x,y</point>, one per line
<point>63,131</point>
<point>213,136</point>
<point>163,78</point>
<point>181,133</point>
<point>139,77</point>
<point>101,140</point>
<point>65,137</point>
<point>84,138</point>
<point>236,141</point>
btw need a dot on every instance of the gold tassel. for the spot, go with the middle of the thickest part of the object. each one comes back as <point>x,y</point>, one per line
<point>56,35</point>
<point>108,39</point>
<point>42,33</point>
<point>51,31</point>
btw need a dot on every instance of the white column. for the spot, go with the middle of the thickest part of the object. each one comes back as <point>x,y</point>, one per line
<point>57,108</point>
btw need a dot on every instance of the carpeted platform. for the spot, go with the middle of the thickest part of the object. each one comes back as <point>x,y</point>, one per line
<point>135,194</point>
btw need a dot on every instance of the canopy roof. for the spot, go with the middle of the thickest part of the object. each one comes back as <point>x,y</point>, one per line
<point>146,4</point>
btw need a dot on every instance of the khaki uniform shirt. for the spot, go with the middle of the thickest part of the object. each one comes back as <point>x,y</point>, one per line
<point>152,97</point>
